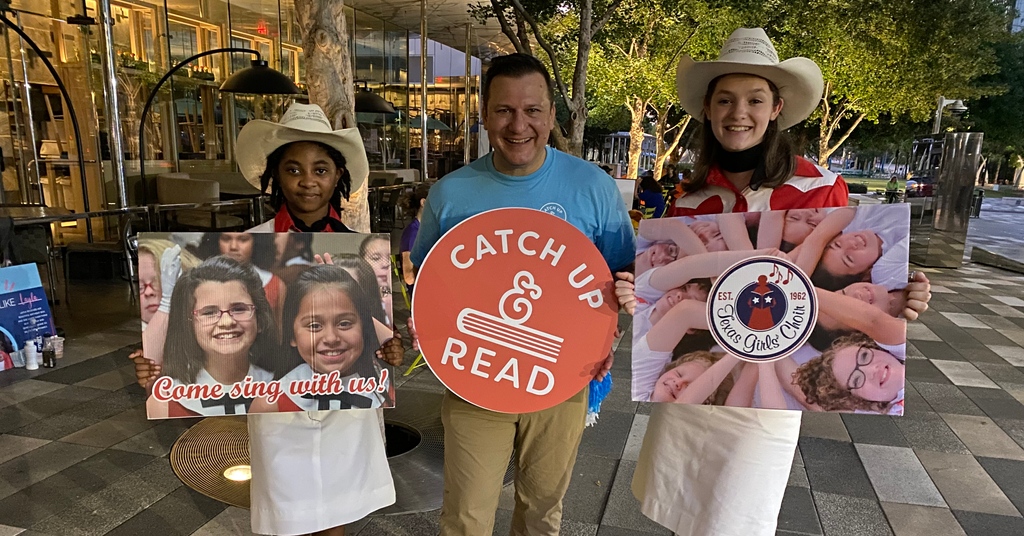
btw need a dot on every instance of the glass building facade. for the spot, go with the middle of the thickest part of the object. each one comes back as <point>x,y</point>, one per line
<point>191,125</point>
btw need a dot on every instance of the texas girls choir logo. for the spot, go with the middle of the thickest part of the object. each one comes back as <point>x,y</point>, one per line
<point>762,309</point>
<point>514,310</point>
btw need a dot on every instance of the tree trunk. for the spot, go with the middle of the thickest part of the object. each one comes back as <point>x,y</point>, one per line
<point>578,104</point>
<point>329,78</point>
<point>665,151</point>
<point>636,137</point>
<point>558,140</point>
<point>824,150</point>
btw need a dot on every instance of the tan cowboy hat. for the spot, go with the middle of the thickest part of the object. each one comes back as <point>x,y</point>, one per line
<point>301,122</point>
<point>749,51</point>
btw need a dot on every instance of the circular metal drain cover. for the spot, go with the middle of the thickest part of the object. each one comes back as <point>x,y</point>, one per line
<point>415,447</point>
<point>418,472</point>
<point>203,452</point>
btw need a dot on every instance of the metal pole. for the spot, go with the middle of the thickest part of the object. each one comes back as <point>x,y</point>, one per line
<point>423,90</point>
<point>18,154</point>
<point>230,119</point>
<point>26,105</point>
<point>70,108</point>
<point>469,106</point>
<point>938,115</point>
<point>112,104</point>
<point>408,107</point>
<point>156,89</point>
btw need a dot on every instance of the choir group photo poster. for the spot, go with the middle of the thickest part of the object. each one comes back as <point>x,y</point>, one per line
<point>244,323</point>
<point>795,309</point>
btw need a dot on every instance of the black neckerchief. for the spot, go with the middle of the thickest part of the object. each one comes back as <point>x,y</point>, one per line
<point>745,160</point>
<point>325,224</point>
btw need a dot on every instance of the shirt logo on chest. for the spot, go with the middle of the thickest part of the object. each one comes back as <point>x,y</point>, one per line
<point>554,209</point>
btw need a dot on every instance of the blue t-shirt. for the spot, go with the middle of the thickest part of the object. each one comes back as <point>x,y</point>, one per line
<point>409,236</point>
<point>565,186</point>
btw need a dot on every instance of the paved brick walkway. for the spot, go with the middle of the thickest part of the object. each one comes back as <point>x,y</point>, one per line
<point>78,457</point>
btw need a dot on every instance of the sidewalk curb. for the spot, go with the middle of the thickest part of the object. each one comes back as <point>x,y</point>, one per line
<point>983,256</point>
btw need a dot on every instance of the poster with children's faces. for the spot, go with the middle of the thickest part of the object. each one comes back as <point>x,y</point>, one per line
<point>248,323</point>
<point>799,309</point>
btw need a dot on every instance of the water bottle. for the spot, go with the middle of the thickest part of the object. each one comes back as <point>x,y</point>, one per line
<point>49,353</point>
<point>30,355</point>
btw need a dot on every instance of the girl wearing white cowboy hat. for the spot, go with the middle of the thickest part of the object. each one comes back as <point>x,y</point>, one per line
<point>745,99</point>
<point>312,472</point>
<point>706,470</point>
<point>306,165</point>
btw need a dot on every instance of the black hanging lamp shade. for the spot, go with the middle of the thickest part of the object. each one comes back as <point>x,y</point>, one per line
<point>369,102</point>
<point>260,79</point>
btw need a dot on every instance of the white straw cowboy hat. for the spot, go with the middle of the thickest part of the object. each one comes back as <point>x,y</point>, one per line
<point>301,122</point>
<point>749,51</point>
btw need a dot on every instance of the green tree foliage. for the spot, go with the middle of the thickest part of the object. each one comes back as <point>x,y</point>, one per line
<point>633,68</point>
<point>1001,117</point>
<point>888,59</point>
<point>562,34</point>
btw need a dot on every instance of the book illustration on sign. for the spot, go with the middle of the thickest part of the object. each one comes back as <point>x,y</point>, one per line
<point>246,323</point>
<point>509,331</point>
<point>798,309</point>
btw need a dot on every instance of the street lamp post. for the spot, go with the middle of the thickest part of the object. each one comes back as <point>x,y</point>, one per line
<point>257,79</point>
<point>955,106</point>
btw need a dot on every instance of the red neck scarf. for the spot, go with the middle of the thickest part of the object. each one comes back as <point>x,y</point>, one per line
<point>331,223</point>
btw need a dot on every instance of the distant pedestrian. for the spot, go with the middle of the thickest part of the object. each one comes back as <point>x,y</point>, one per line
<point>652,195</point>
<point>892,190</point>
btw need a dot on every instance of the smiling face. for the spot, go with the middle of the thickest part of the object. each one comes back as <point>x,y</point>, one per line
<point>308,177</point>
<point>237,246</point>
<point>710,234</point>
<point>658,254</point>
<point>328,330</point>
<point>799,224</point>
<point>228,337</point>
<point>677,379</point>
<point>876,295</point>
<point>689,291</point>
<point>149,286</point>
<point>519,116</point>
<point>740,108</point>
<point>852,253</point>
<point>868,293</point>
<point>879,379</point>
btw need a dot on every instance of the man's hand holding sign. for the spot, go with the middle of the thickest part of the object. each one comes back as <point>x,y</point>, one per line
<point>514,310</point>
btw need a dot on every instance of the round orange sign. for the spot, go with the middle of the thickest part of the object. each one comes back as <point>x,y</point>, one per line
<point>515,310</point>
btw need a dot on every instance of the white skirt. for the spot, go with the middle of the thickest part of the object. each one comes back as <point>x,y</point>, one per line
<point>316,470</point>
<point>715,471</point>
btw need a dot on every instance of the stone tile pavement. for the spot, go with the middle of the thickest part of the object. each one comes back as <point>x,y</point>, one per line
<point>77,456</point>
<point>992,231</point>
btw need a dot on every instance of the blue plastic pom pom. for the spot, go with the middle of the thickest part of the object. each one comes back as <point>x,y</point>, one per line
<point>598,392</point>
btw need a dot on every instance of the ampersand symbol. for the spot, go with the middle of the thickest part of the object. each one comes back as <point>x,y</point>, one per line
<point>522,282</point>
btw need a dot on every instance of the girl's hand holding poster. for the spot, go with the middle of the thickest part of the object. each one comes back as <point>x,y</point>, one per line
<point>245,323</point>
<point>798,309</point>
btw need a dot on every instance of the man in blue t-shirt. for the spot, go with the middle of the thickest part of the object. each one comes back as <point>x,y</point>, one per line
<point>519,113</point>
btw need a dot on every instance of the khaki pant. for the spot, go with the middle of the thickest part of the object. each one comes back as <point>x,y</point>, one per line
<point>477,447</point>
